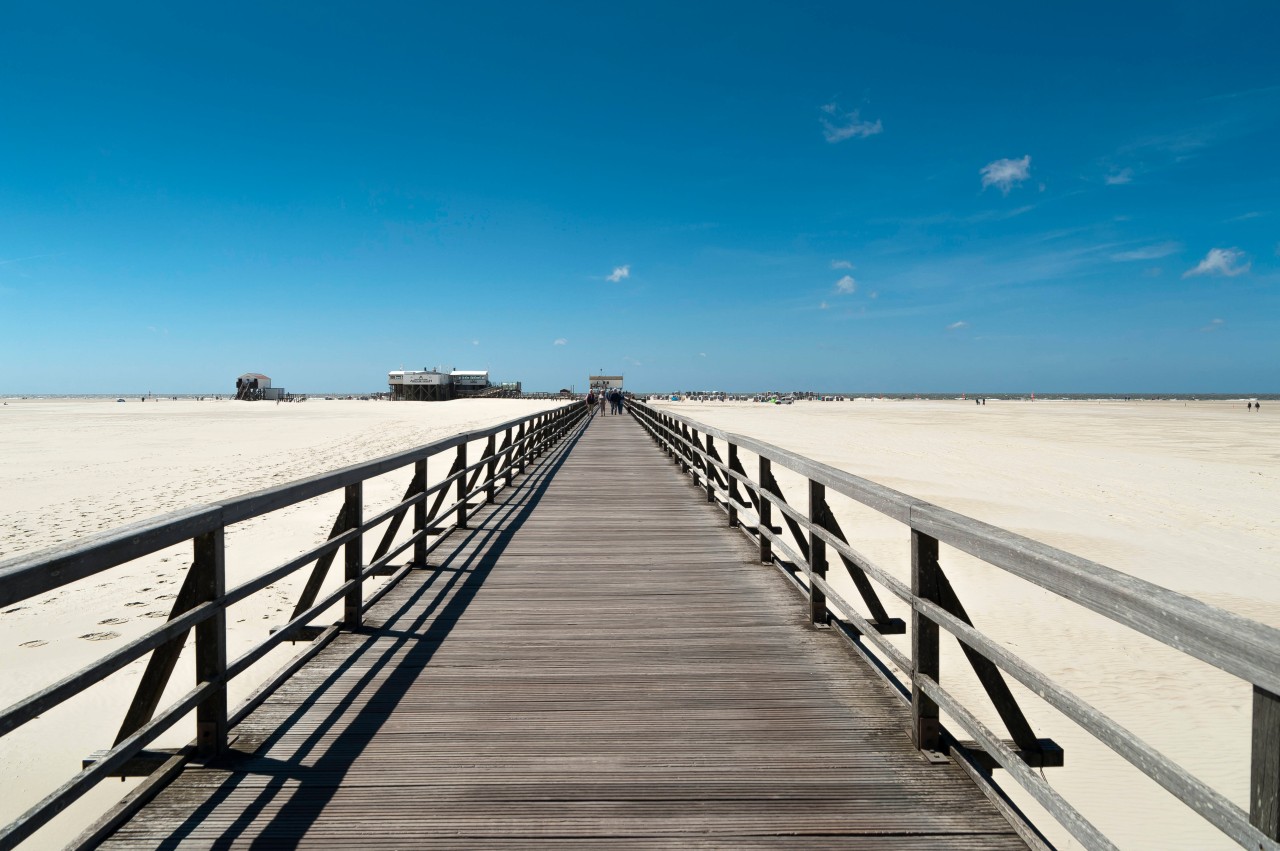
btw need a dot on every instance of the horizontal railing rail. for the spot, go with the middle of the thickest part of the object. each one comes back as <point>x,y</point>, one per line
<point>1237,645</point>
<point>203,600</point>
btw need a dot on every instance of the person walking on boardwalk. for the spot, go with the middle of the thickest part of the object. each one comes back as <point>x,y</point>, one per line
<point>591,401</point>
<point>615,400</point>
<point>602,395</point>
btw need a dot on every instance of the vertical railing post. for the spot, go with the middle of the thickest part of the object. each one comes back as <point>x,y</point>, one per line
<point>490,449</point>
<point>925,729</point>
<point>509,461</point>
<point>210,577</point>
<point>1264,775</point>
<point>522,449</point>
<point>461,491</point>
<point>711,489</point>
<point>733,484</point>
<point>817,553</point>
<point>766,513</point>
<point>353,554</point>
<point>420,512</point>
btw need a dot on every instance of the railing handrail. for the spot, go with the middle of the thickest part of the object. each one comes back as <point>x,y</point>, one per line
<point>1242,647</point>
<point>205,612</point>
<point>29,574</point>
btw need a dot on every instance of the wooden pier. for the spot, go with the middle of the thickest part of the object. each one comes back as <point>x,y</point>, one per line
<point>603,639</point>
<point>598,661</point>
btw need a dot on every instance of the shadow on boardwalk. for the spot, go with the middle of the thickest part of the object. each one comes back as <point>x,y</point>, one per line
<point>600,662</point>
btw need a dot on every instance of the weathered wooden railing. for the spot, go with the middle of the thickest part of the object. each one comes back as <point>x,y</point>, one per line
<point>1244,648</point>
<point>203,600</point>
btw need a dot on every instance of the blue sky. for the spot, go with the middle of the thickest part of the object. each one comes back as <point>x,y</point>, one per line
<point>876,197</point>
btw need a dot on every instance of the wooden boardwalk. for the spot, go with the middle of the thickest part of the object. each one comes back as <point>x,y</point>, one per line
<point>599,662</point>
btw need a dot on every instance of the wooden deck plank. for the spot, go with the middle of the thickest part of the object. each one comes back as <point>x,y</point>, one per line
<point>597,661</point>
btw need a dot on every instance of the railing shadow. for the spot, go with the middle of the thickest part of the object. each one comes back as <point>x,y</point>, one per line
<point>422,635</point>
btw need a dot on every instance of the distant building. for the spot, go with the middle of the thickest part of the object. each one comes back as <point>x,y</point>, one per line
<point>254,386</point>
<point>425,385</point>
<point>604,382</point>
<point>470,382</point>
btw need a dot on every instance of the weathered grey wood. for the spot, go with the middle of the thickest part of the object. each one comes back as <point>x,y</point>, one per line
<point>673,698</point>
<point>36,573</point>
<point>164,659</point>
<point>925,659</point>
<point>988,674</point>
<point>765,508</point>
<point>307,598</point>
<point>461,497</point>
<point>353,559</point>
<point>420,511</point>
<point>1264,782</point>
<point>1210,804</point>
<point>817,554</point>
<point>734,498</point>
<point>209,567</point>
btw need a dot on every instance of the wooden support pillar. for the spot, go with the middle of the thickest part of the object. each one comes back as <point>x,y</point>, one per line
<point>732,460</point>
<point>420,513</point>
<point>461,491</point>
<point>925,729</point>
<point>766,513</point>
<point>353,553</point>
<point>711,485</point>
<point>817,553</point>
<point>210,571</point>
<point>490,450</point>
<point>522,449</point>
<point>1264,776</point>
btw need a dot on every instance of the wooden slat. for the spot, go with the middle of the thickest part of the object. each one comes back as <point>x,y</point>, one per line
<point>597,661</point>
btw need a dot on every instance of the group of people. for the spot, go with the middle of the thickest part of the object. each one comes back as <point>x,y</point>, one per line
<point>613,397</point>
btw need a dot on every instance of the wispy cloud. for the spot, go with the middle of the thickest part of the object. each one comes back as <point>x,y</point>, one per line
<point>1228,262</point>
<point>1006,174</point>
<point>475,342</point>
<point>631,360</point>
<point>1149,252</point>
<point>1214,325</point>
<point>822,305</point>
<point>560,341</point>
<point>956,326</point>
<point>1119,178</point>
<point>846,285</point>
<point>841,264</point>
<point>620,273</point>
<point>702,354</point>
<point>7,261</point>
<point>838,125</point>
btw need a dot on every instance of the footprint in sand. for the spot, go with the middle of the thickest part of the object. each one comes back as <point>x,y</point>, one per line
<point>135,603</point>
<point>166,596</point>
<point>36,643</point>
<point>155,615</point>
<point>112,621</point>
<point>100,636</point>
<point>14,609</point>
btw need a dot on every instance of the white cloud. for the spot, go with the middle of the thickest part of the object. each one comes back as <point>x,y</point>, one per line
<point>1005,174</point>
<point>1214,325</point>
<point>1221,261</point>
<point>956,326</point>
<point>846,285</point>
<point>841,264</point>
<point>560,341</point>
<point>1119,178</point>
<point>838,126</point>
<point>702,354</point>
<point>823,305</point>
<point>475,342</point>
<point>1149,252</point>
<point>620,273</point>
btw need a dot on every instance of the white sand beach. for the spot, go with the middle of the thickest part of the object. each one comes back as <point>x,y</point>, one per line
<point>1184,495</point>
<point>70,468</point>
